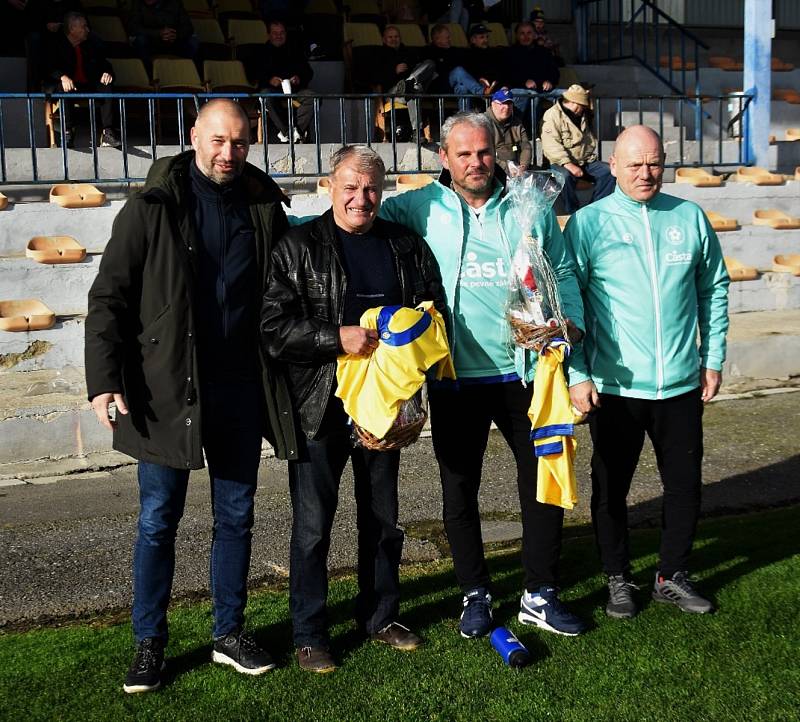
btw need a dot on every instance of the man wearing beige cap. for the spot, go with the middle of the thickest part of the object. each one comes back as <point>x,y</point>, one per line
<point>571,147</point>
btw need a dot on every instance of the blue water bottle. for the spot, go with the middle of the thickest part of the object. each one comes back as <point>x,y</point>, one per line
<point>510,648</point>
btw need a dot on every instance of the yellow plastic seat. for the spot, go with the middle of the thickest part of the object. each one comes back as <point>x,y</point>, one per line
<point>109,28</point>
<point>721,223</point>
<point>498,37</point>
<point>76,195</point>
<point>411,35</point>
<point>788,95</point>
<point>361,34</point>
<point>28,314</point>
<point>698,177</point>
<point>210,35</point>
<point>793,134</point>
<point>247,32</point>
<point>676,63</point>
<point>781,66</point>
<point>226,76</point>
<point>176,75</point>
<point>229,9</point>
<point>787,263</point>
<point>130,75</point>
<point>321,7</point>
<point>738,271</point>
<point>775,218</point>
<point>3,202</point>
<point>758,176</point>
<point>724,62</point>
<point>55,249</point>
<point>198,9</point>
<point>412,181</point>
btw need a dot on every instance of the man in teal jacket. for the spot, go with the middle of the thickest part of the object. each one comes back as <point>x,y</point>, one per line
<point>467,221</point>
<point>652,276</point>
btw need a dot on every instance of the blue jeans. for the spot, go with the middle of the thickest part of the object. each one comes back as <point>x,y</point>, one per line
<point>596,172</point>
<point>463,83</point>
<point>523,97</point>
<point>314,487</point>
<point>232,443</point>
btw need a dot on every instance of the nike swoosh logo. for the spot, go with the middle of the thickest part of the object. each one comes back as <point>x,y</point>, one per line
<point>539,615</point>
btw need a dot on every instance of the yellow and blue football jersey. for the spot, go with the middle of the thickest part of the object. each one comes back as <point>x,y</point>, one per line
<point>411,340</point>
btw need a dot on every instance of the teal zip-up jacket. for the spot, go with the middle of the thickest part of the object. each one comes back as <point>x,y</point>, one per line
<point>435,213</point>
<point>652,275</point>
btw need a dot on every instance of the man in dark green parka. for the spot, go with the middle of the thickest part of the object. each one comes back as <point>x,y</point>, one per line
<point>172,341</point>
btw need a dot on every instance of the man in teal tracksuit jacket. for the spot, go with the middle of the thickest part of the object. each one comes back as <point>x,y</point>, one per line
<point>652,276</point>
<point>467,221</point>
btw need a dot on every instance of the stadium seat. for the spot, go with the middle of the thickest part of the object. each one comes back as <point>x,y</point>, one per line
<point>198,9</point>
<point>228,10</point>
<point>789,95</point>
<point>498,38</point>
<point>362,34</point>
<point>226,76</point>
<point>247,39</point>
<point>724,62</point>
<point>775,218</point>
<point>793,134</point>
<point>738,271</point>
<point>213,45</point>
<point>130,75</point>
<point>698,177</point>
<point>676,63</point>
<point>113,34</point>
<point>176,75</point>
<point>787,263</point>
<point>76,195</point>
<point>780,66</point>
<point>364,11</point>
<point>323,186</point>
<point>720,223</point>
<point>28,314</point>
<point>3,201</point>
<point>412,181</point>
<point>55,250</point>
<point>411,35</point>
<point>100,7</point>
<point>321,7</point>
<point>757,176</point>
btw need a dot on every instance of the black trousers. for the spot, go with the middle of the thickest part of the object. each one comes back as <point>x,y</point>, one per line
<point>460,423</point>
<point>303,115</point>
<point>105,105</point>
<point>618,428</point>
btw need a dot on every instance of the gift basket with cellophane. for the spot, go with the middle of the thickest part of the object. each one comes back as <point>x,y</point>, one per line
<point>534,308</point>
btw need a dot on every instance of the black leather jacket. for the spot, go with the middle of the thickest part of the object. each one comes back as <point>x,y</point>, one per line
<point>304,304</point>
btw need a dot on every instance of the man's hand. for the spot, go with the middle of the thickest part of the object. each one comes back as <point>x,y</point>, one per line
<point>357,340</point>
<point>574,169</point>
<point>710,382</point>
<point>169,35</point>
<point>574,334</point>
<point>53,27</point>
<point>547,86</point>
<point>295,80</point>
<point>66,84</point>
<point>531,84</point>
<point>584,396</point>
<point>275,81</point>
<point>106,79</point>
<point>100,405</point>
<point>400,68</point>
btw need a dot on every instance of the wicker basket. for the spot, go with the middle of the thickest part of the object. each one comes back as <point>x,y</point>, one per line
<point>403,432</point>
<point>532,336</point>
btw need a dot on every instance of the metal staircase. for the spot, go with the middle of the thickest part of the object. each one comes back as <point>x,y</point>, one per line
<point>638,29</point>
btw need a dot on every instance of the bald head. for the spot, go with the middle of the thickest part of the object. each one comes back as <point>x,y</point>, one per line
<point>638,163</point>
<point>221,140</point>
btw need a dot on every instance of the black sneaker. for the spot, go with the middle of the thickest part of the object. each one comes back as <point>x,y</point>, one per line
<point>680,591</point>
<point>621,601</point>
<point>109,139</point>
<point>241,651</point>
<point>476,619</point>
<point>145,671</point>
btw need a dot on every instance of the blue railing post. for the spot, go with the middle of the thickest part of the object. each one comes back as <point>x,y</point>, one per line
<point>757,80</point>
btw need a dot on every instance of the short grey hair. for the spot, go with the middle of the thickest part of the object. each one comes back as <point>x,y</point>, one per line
<point>366,159</point>
<point>476,120</point>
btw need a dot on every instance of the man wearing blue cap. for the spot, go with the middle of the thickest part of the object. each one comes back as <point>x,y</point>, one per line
<point>511,142</point>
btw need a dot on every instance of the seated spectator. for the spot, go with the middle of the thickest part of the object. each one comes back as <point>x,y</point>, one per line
<point>47,17</point>
<point>542,38</point>
<point>528,68</point>
<point>162,27</point>
<point>285,62</point>
<point>445,58</point>
<point>511,142</point>
<point>479,71</point>
<point>571,147</point>
<point>77,63</point>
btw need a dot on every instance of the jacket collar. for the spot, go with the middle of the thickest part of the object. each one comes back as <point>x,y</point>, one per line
<point>629,203</point>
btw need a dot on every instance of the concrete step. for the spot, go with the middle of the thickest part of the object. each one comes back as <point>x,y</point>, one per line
<point>62,287</point>
<point>44,413</point>
<point>769,292</point>
<point>739,200</point>
<point>60,347</point>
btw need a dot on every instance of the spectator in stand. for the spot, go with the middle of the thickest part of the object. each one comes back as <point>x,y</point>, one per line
<point>283,61</point>
<point>542,38</point>
<point>479,71</point>
<point>511,142</point>
<point>77,63</point>
<point>530,69</point>
<point>445,57</point>
<point>162,27</point>
<point>393,70</point>
<point>571,147</point>
<point>46,18</point>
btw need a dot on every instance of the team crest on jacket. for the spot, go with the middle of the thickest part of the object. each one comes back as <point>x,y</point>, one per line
<point>674,235</point>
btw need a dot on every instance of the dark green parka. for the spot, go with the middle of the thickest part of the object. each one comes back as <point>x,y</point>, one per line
<point>141,326</point>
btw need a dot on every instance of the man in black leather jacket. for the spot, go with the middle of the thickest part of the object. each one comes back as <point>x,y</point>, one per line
<point>324,275</point>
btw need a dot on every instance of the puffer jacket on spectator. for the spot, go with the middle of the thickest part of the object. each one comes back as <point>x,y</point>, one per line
<point>565,142</point>
<point>511,142</point>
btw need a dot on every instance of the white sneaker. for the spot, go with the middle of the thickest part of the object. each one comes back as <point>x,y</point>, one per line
<point>298,136</point>
<point>282,137</point>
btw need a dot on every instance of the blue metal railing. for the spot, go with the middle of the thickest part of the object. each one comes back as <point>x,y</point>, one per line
<point>354,123</point>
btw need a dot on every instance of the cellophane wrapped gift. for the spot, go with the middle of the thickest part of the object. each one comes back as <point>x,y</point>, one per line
<point>534,306</point>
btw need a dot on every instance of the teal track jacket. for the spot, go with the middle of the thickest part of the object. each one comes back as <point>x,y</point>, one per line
<point>652,277</point>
